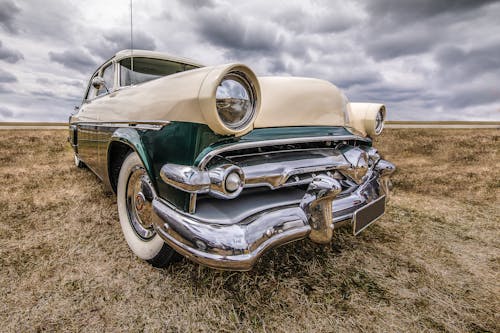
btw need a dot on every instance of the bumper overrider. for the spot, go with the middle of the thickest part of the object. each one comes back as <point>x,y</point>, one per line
<point>304,200</point>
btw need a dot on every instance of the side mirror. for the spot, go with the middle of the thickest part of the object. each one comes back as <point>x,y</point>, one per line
<point>98,83</point>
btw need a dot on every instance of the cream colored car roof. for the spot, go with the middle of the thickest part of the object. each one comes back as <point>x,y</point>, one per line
<point>152,54</point>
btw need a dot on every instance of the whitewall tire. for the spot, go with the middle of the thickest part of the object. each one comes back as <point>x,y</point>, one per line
<point>134,195</point>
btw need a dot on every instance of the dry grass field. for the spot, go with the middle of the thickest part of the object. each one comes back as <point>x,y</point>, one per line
<point>430,264</point>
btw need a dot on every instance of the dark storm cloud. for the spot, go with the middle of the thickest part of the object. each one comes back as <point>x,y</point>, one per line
<point>277,65</point>
<point>327,20</point>
<point>397,12</point>
<point>404,42</point>
<point>10,55</point>
<point>457,63</point>
<point>55,21</point>
<point>42,80</point>
<point>390,93</point>
<point>109,43</point>
<point>46,94</point>
<point>8,11</point>
<point>5,90</point>
<point>6,112</point>
<point>28,107</point>
<point>399,28</point>
<point>236,34</point>
<point>361,77</point>
<point>196,4</point>
<point>473,95</point>
<point>6,77</point>
<point>76,59</point>
<point>74,83</point>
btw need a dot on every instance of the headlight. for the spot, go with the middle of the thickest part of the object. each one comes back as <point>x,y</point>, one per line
<point>368,118</point>
<point>379,121</point>
<point>229,99</point>
<point>235,101</point>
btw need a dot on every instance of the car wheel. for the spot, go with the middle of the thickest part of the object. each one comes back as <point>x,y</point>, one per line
<point>78,162</point>
<point>134,196</point>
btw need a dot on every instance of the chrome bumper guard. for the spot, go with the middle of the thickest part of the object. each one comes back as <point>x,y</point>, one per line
<point>236,245</point>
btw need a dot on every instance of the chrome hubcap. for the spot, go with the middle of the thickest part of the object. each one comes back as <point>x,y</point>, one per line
<point>139,207</point>
<point>139,201</point>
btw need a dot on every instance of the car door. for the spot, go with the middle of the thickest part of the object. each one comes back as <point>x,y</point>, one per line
<point>87,128</point>
<point>102,104</point>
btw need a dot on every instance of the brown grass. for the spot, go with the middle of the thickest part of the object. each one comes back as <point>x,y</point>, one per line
<point>431,264</point>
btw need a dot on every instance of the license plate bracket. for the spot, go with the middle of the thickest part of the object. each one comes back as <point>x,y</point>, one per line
<point>368,214</point>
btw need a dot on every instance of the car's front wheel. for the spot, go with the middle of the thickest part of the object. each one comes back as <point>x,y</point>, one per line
<point>134,196</point>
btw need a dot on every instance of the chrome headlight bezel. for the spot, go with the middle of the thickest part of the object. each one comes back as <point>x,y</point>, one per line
<point>246,84</point>
<point>208,101</point>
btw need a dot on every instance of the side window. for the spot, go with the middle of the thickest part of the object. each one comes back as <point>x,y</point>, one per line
<point>107,75</point>
<point>91,90</point>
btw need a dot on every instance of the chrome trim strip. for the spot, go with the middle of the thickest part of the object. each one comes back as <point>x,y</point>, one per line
<point>146,124</point>
<point>263,143</point>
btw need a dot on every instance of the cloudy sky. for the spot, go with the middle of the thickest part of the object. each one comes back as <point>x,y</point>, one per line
<point>426,59</point>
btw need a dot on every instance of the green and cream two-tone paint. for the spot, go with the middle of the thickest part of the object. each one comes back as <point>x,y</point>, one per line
<point>219,146</point>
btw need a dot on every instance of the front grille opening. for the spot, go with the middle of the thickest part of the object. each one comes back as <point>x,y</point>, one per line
<point>233,156</point>
<point>312,159</point>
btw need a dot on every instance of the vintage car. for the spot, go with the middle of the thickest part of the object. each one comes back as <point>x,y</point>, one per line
<point>219,165</point>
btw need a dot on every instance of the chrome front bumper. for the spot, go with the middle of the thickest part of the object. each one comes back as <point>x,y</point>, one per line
<point>236,238</point>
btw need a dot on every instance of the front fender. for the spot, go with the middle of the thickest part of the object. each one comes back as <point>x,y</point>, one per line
<point>131,138</point>
<point>177,143</point>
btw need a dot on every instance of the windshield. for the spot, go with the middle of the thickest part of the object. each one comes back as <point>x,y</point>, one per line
<point>147,69</point>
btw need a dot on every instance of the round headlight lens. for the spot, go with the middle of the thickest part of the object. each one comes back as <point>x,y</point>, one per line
<point>235,101</point>
<point>379,122</point>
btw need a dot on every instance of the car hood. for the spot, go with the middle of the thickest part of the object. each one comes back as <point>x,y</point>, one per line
<point>189,97</point>
<point>296,101</point>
